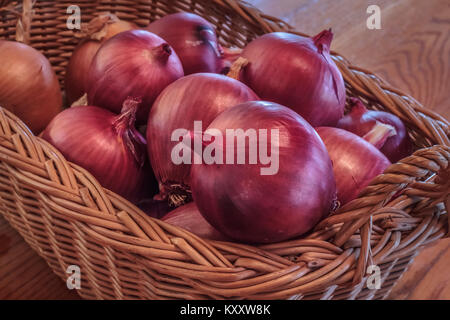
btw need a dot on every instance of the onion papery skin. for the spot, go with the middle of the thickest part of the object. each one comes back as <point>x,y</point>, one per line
<point>356,162</point>
<point>99,30</point>
<point>361,121</point>
<point>247,206</point>
<point>107,146</point>
<point>197,97</point>
<point>296,72</point>
<point>193,39</point>
<point>188,217</point>
<point>133,63</point>
<point>29,87</point>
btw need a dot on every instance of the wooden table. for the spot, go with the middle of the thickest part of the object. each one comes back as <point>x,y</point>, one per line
<point>411,51</point>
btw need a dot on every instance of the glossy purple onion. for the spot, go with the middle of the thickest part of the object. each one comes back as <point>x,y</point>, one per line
<point>193,39</point>
<point>297,72</point>
<point>248,205</point>
<point>133,63</point>
<point>356,162</point>
<point>106,145</point>
<point>382,129</point>
<point>197,97</point>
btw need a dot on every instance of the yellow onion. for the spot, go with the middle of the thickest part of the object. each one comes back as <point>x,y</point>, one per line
<point>28,85</point>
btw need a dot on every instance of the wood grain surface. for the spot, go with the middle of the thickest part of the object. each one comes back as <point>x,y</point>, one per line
<point>411,51</point>
<point>23,274</point>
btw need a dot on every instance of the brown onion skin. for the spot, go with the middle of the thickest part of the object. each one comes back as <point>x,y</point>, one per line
<point>360,121</point>
<point>87,136</point>
<point>197,97</point>
<point>133,63</point>
<point>249,207</point>
<point>296,72</point>
<point>188,217</point>
<point>117,27</point>
<point>356,162</point>
<point>193,39</point>
<point>29,87</point>
<point>78,69</point>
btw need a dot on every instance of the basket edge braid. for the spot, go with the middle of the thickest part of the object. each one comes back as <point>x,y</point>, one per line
<point>114,223</point>
<point>399,195</point>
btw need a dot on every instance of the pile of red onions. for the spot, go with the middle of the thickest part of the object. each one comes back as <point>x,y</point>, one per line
<point>356,162</point>
<point>384,130</point>
<point>188,217</point>
<point>258,171</point>
<point>246,205</point>
<point>28,85</point>
<point>194,40</point>
<point>107,145</point>
<point>297,72</point>
<point>95,32</point>
<point>197,97</point>
<point>133,63</point>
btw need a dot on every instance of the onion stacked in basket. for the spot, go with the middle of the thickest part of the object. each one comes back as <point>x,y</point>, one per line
<point>251,145</point>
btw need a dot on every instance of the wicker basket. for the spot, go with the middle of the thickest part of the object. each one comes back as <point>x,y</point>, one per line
<point>69,219</point>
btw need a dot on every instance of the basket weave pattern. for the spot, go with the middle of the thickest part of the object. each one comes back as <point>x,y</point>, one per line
<point>69,219</point>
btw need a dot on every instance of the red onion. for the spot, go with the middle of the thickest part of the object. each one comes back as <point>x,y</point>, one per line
<point>133,63</point>
<point>193,39</point>
<point>95,32</point>
<point>197,97</point>
<point>106,145</point>
<point>384,130</point>
<point>248,203</point>
<point>297,72</point>
<point>355,161</point>
<point>188,217</point>
<point>29,87</point>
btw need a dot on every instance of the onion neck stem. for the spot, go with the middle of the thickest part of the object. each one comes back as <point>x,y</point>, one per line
<point>96,29</point>
<point>237,67</point>
<point>82,101</point>
<point>162,52</point>
<point>127,116</point>
<point>379,134</point>
<point>356,106</point>
<point>231,54</point>
<point>124,128</point>
<point>323,41</point>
